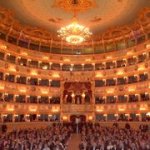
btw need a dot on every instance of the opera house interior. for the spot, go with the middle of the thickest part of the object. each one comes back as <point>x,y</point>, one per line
<point>74,74</point>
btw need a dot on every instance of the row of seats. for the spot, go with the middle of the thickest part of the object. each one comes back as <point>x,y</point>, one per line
<point>28,80</point>
<point>122,98</point>
<point>56,83</point>
<point>76,67</point>
<point>5,97</point>
<point>121,80</point>
<point>29,117</point>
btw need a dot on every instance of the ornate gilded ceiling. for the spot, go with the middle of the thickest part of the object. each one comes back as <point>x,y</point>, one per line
<point>36,21</point>
<point>99,15</point>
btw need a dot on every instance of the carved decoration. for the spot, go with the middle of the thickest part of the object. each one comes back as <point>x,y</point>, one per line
<point>55,20</point>
<point>6,65</point>
<point>96,19</point>
<point>75,5</point>
<point>34,34</point>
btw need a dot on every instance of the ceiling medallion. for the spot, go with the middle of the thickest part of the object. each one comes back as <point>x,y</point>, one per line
<point>74,5</point>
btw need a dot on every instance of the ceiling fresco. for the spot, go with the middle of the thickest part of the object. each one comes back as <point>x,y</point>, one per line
<point>105,14</point>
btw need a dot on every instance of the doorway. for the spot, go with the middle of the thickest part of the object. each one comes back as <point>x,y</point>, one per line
<point>77,118</point>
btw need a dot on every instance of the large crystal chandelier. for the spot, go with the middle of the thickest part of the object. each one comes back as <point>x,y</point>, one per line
<point>74,33</point>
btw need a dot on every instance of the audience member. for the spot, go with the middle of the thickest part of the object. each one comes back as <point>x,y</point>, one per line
<point>52,138</point>
<point>95,137</point>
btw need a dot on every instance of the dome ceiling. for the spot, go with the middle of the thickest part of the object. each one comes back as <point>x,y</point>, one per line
<point>104,15</point>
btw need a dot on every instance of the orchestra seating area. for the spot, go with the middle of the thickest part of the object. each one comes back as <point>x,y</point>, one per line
<point>93,136</point>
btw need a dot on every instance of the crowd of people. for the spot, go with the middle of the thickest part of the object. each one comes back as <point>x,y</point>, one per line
<point>95,137</point>
<point>55,137</point>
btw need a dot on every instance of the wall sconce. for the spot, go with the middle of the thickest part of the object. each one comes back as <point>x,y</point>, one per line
<point>148,114</point>
<point>66,60</point>
<point>90,118</point>
<point>44,91</point>
<point>45,58</point>
<point>109,57</point>
<point>65,118</point>
<point>55,75</point>
<point>72,95</point>
<point>121,109</point>
<point>130,53</point>
<point>142,108</point>
<point>83,95</point>
<point>1,87</point>
<point>99,75</point>
<point>88,60</point>
<point>141,68</point>
<point>147,46</point>
<point>131,89</point>
<point>2,46</point>
<point>137,114</point>
<point>10,109</point>
<point>24,53</point>
<point>32,109</point>
<point>22,90</point>
<point>55,109</point>
<point>120,72</point>
<point>99,110</point>
<point>33,72</point>
<point>12,68</point>
<point>109,91</point>
<point>116,115</point>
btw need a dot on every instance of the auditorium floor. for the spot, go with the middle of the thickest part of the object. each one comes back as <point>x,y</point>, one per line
<point>74,142</point>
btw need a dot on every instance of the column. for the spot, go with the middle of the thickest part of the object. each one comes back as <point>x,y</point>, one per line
<point>93,66</point>
<point>106,118</point>
<point>5,56</point>
<point>13,117</point>
<point>14,98</point>
<point>116,99</point>
<point>140,117</point>
<point>136,59</point>
<point>27,81</point>
<point>126,78</point>
<point>115,81</point>
<point>15,78</point>
<point>39,62</point>
<point>17,60</point>
<point>83,98</point>
<point>50,65</point>
<point>125,62</point>
<point>28,62</point>
<point>104,82</point>
<point>115,64</point>
<point>1,118</point>
<point>83,67</point>
<point>138,96</point>
<point>127,98</point>
<point>38,99</point>
<point>61,64</point>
